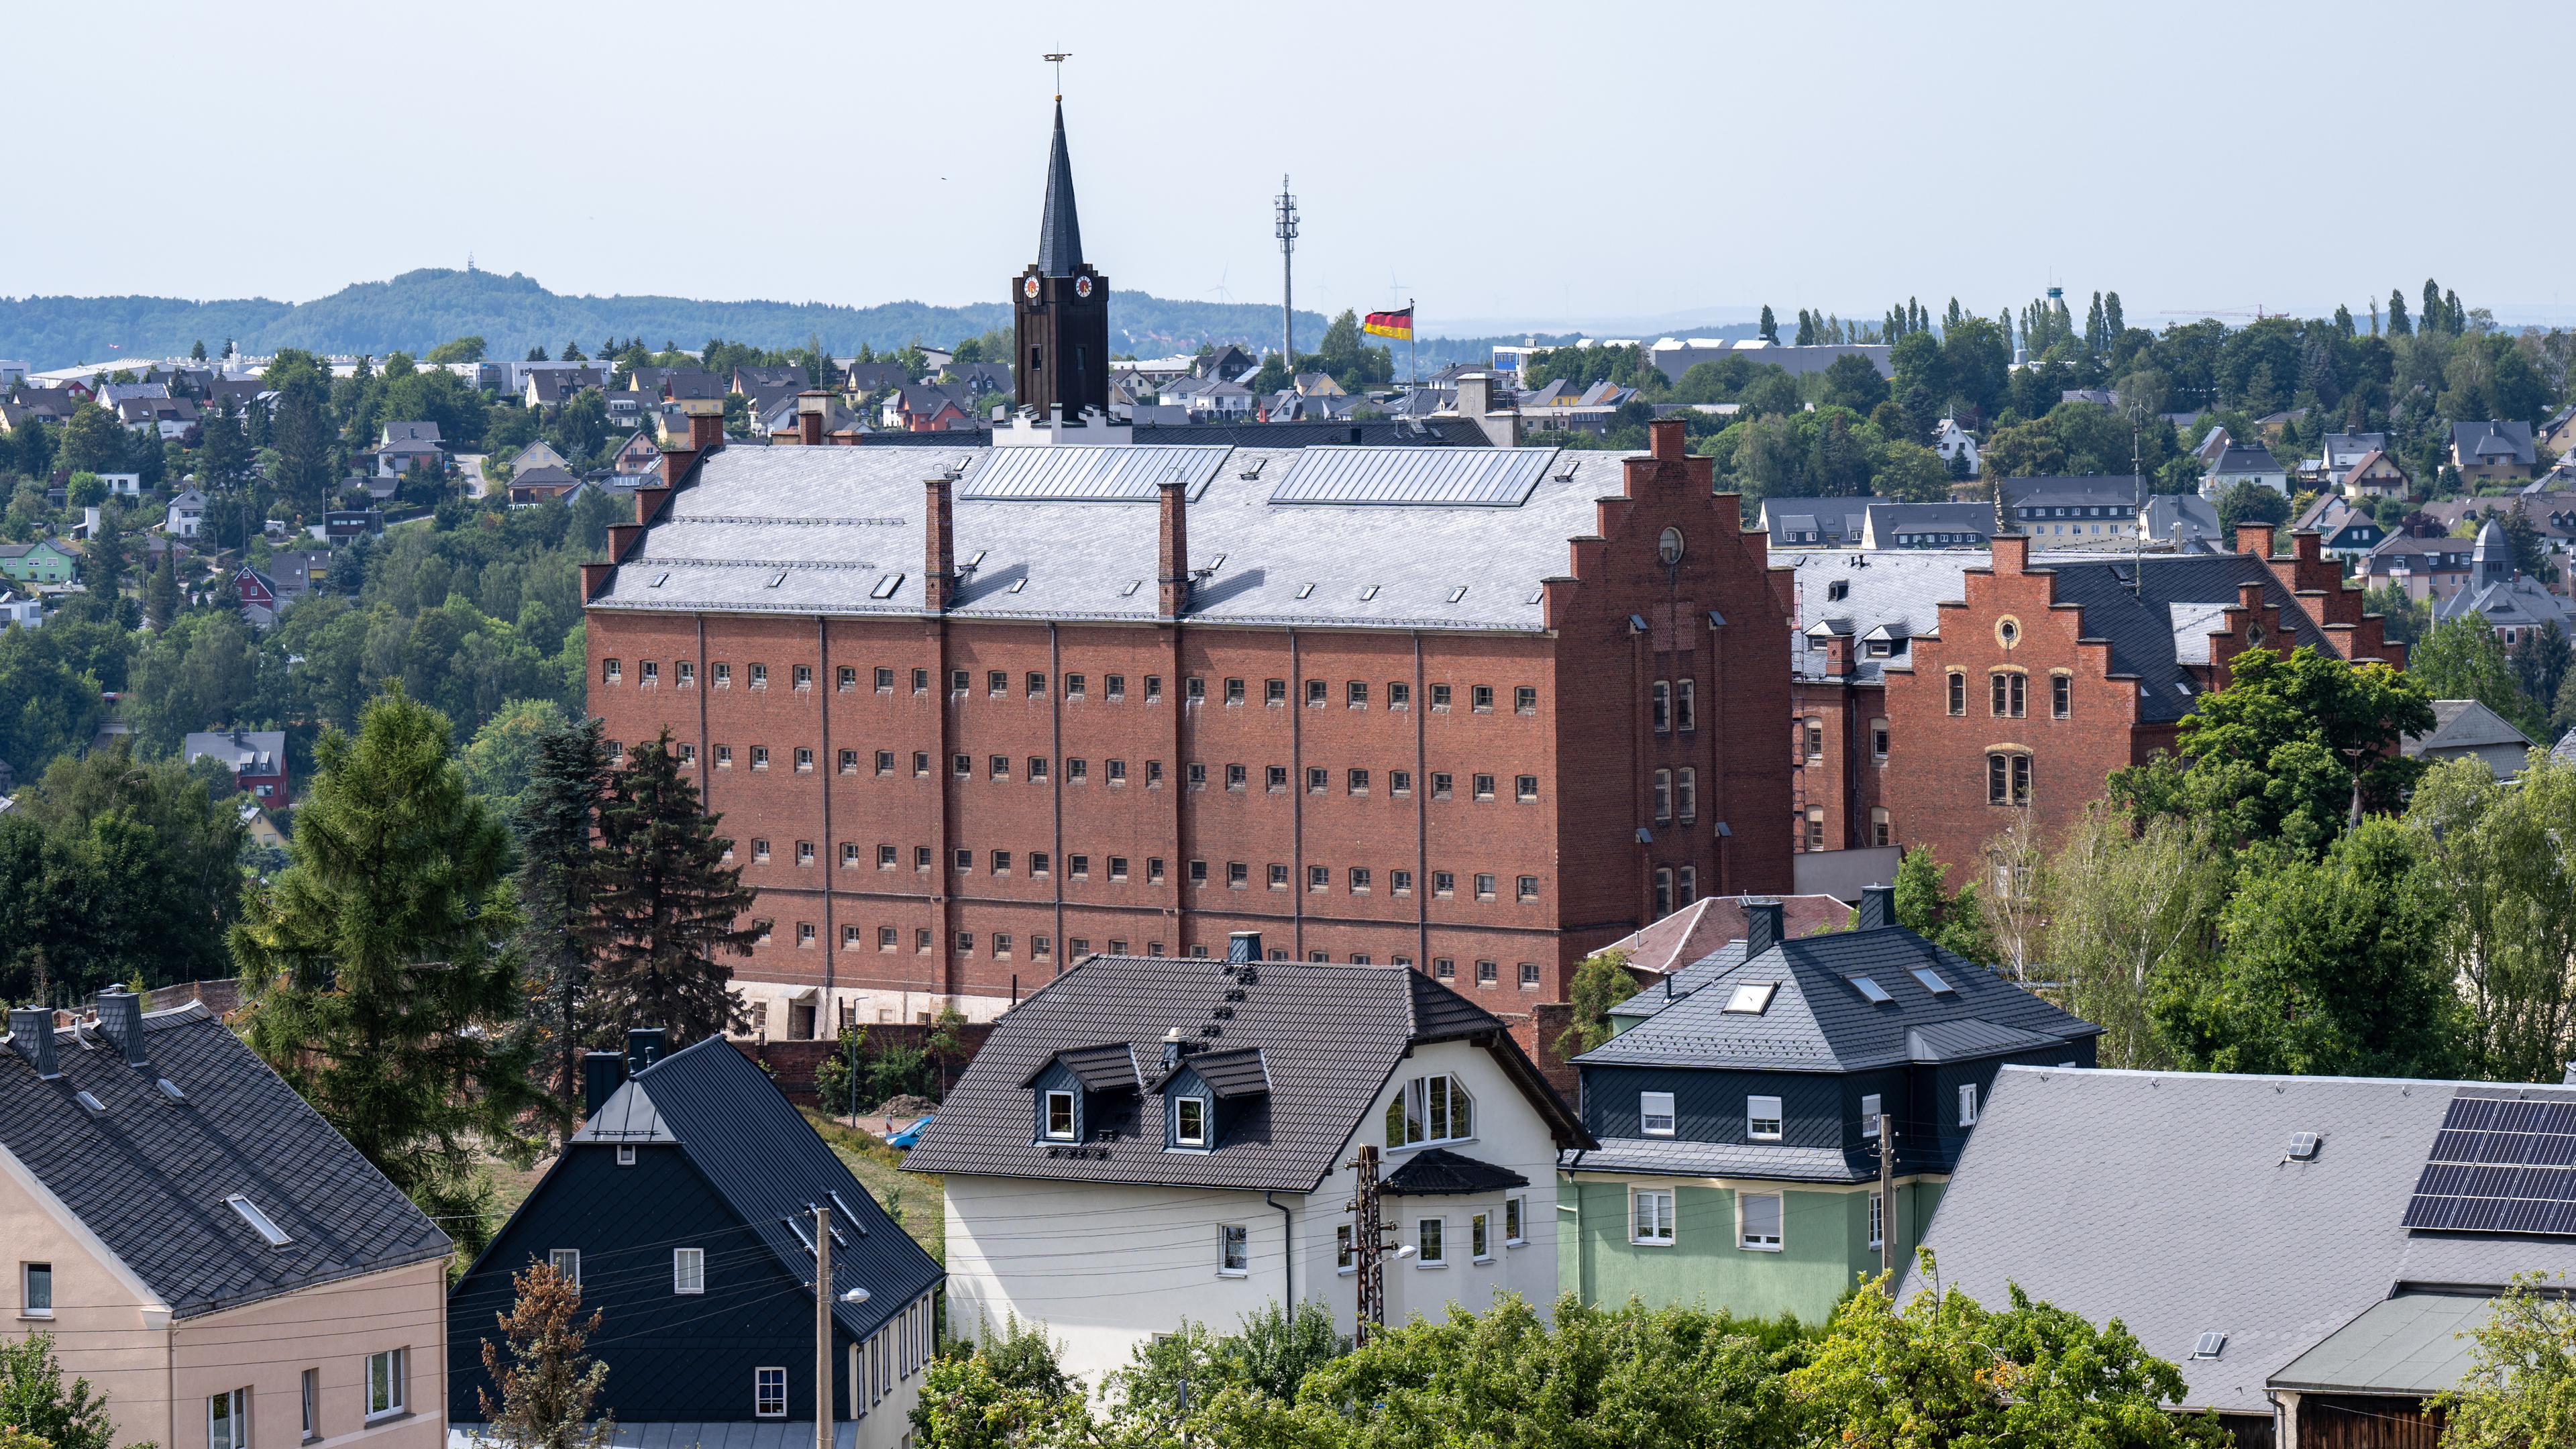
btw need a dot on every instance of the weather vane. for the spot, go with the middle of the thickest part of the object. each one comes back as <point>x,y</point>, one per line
<point>1057,58</point>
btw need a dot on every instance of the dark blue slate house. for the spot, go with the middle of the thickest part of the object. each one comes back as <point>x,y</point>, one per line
<point>685,1207</point>
<point>1738,1113</point>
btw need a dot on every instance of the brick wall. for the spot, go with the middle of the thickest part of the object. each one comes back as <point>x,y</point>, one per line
<point>791,1064</point>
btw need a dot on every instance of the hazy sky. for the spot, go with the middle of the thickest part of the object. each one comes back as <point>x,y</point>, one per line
<point>1583,163</point>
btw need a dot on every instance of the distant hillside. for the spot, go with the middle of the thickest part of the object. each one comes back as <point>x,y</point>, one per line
<point>418,310</point>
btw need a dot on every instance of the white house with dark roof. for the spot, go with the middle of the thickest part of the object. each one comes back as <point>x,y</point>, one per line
<point>2465,728</point>
<point>1148,1140</point>
<point>206,1251</point>
<point>2512,603</point>
<point>2238,464</point>
<point>2305,1249</point>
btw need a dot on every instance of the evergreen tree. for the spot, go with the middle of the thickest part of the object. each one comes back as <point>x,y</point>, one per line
<point>666,906</point>
<point>198,352</point>
<point>1770,325</point>
<point>537,354</point>
<point>558,874</point>
<point>374,968</point>
<point>223,455</point>
<point>103,568</point>
<point>548,1379</point>
<point>301,433</point>
<point>161,592</point>
<point>2433,318</point>
<point>2398,326</point>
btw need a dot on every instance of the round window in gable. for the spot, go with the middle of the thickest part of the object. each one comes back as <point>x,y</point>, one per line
<point>1669,548</point>
<point>2008,631</point>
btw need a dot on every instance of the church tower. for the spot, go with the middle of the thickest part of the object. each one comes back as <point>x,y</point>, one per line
<point>1060,309</point>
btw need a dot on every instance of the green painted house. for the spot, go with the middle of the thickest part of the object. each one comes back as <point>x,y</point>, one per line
<point>41,562</point>
<point>1738,1113</point>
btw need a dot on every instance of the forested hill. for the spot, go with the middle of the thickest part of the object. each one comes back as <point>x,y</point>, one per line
<point>418,310</point>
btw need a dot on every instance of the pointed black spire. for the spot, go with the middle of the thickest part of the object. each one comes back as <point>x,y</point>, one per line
<point>1060,233</point>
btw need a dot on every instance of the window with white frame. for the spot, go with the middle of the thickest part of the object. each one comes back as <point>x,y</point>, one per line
<point>1762,1118</point>
<point>626,1154</point>
<point>1059,1116</point>
<point>1234,1250</point>
<point>567,1262</point>
<point>1650,1216</point>
<point>386,1382</point>
<point>228,1420</point>
<point>1480,1237</point>
<point>1877,1219</point>
<point>1189,1122</point>
<point>1757,1221</point>
<point>1345,1249</point>
<point>36,1290</point>
<point>1968,1105</point>
<point>688,1270</point>
<point>309,1391</point>
<point>1430,1109</point>
<point>1429,1239</point>
<point>1515,1221</point>
<point>1869,1114</point>
<point>769,1393</point>
<point>1655,1113</point>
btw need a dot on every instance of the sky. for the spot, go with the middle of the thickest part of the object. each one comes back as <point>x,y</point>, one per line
<point>1506,165</point>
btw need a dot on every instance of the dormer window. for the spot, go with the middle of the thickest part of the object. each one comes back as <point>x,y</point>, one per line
<point>1189,1122</point>
<point>1059,1116</point>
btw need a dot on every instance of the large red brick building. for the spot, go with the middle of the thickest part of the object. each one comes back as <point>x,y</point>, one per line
<point>1943,698</point>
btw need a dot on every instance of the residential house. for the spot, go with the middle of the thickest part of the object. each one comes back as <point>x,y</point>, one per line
<point>1742,1107</point>
<point>1954,443</point>
<point>167,418</point>
<point>291,574</point>
<point>2510,601</point>
<point>696,1161</point>
<point>256,758</point>
<point>2213,445</point>
<point>1220,1111</point>
<point>2558,433</point>
<point>2340,453</point>
<point>670,384</point>
<point>24,610</point>
<point>2464,727</point>
<point>2376,475</point>
<point>1287,406</point>
<point>765,402</point>
<point>627,407</point>
<point>2100,397</point>
<point>638,456</point>
<point>1857,613</point>
<point>539,454</point>
<point>553,387</point>
<point>2186,521</point>
<point>1701,926</point>
<point>341,525</point>
<point>2427,569</point>
<point>261,827</point>
<point>407,447</point>
<point>1225,362</point>
<point>2251,463</point>
<point>1209,397</point>
<point>2486,452</point>
<point>540,485</point>
<point>261,596</point>
<point>1676,355</point>
<point>1927,525</point>
<point>109,394</point>
<point>2308,1251</point>
<point>866,379</point>
<point>980,379</point>
<point>2551,514</point>
<point>925,407</point>
<point>2349,532</point>
<point>206,1252</point>
<point>2081,506</point>
<point>752,380</point>
<point>185,515</point>
<point>1815,522</point>
<point>41,562</point>
<point>1315,384</point>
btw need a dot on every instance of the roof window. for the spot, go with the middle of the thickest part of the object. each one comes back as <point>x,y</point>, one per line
<point>1752,998</point>
<point>2303,1147</point>
<point>1457,593</point>
<point>1305,589</point>
<point>778,578</point>
<point>886,586</point>
<point>259,1221</point>
<point>170,1089</point>
<point>1368,592</point>
<point>1932,981</point>
<point>2211,1345</point>
<point>661,578</point>
<point>89,1104</point>
<point>1870,989</point>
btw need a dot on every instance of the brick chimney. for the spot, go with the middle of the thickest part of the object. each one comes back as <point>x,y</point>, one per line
<point>811,405</point>
<point>939,542</point>
<point>1761,927</point>
<point>2010,552</point>
<point>1174,538</point>
<point>2254,538</point>
<point>1838,655</point>
<point>1664,440</point>
<point>706,423</point>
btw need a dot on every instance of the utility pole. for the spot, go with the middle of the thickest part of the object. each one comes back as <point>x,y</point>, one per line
<point>823,1327</point>
<point>1368,1247</point>
<point>1286,230</point>
<point>1887,1196</point>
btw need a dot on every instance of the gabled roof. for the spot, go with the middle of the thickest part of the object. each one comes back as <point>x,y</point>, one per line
<point>2488,441</point>
<point>1896,588</point>
<point>1688,936</point>
<point>411,432</point>
<point>1110,1068</point>
<point>2080,490</point>
<point>2245,459</point>
<point>2463,724</point>
<point>2170,1201</point>
<point>1817,1020</point>
<point>2129,603</point>
<point>772,1171</point>
<point>1327,1037</point>
<point>150,1175</point>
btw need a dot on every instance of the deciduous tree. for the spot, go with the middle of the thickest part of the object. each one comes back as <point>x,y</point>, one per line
<point>2520,1390</point>
<point>547,1377</point>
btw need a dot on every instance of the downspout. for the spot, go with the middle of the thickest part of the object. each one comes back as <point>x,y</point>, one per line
<point>827,1012</point>
<point>1055,774</point>
<point>1296,805</point>
<point>1288,1259</point>
<point>1421,819</point>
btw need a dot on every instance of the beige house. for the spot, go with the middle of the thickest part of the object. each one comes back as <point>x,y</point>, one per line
<point>222,1266</point>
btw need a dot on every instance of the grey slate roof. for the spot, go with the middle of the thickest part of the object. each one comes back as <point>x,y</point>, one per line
<point>1329,1036</point>
<point>1897,589</point>
<point>819,530</point>
<point>1838,519</point>
<point>2078,490</point>
<point>1910,525</point>
<point>2238,460</point>
<point>262,752</point>
<point>2181,518</point>
<point>1439,1172</point>
<point>150,1176</point>
<point>1675,1158</point>
<point>768,1165</point>
<point>2167,1200</point>
<point>1059,230</point>
<point>2414,1343</point>
<point>2494,442</point>
<point>2463,724</point>
<point>2129,602</point>
<point>1817,1021</point>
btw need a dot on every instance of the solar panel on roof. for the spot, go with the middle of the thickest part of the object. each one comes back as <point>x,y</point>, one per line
<point>1089,475</point>
<point>2499,1165</point>
<point>1414,477</point>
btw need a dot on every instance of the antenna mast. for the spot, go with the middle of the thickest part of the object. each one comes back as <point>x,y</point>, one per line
<point>1286,229</point>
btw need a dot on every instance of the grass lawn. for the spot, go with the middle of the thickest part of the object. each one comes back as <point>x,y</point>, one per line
<point>916,1199</point>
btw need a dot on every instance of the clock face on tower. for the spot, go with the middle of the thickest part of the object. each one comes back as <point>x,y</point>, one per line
<point>1029,288</point>
<point>1082,287</point>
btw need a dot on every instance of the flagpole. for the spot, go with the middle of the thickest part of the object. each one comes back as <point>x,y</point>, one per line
<point>1415,340</point>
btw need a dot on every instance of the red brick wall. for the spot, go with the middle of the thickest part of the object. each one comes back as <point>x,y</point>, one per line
<point>1846,782</point>
<point>1585,740</point>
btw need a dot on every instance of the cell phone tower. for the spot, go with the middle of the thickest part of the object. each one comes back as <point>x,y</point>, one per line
<point>1287,232</point>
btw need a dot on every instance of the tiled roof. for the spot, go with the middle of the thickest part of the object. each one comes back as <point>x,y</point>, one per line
<point>1817,1020</point>
<point>150,1175</point>
<point>2463,724</point>
<point>1677,1158</point>
<point>1439,1172</point>
<point>2129,603</point>
<point>2080,490</point>
<point>2169,1200</point>
<point>822,530</point>
<point>1328,1036</point>
<point>1895,588</point>
<point>1705,925</point>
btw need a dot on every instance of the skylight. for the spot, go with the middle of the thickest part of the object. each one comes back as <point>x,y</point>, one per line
<point>886,586</point>
<point>846,1213</point>
<point>170,1089</point>
<point>1457,593</point>
<point>778,578</point>
<point>1932,981</point>
<point>2303,1147</point>
<point>2211,1345</point>
<point>259,1221</point>
<point>1870,989</point>
<point>1305,589</point>
<point>94,1106</point>
<point>1753,998</point>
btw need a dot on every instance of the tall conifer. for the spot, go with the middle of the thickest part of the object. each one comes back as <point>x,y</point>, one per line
<point>668,910</point>
<point>558,874</point>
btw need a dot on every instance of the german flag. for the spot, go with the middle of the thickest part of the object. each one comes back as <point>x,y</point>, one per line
<point>1398,325</point>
